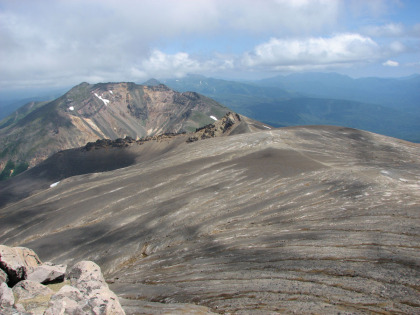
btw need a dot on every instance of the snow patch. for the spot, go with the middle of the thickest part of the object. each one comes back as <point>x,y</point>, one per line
<point>114,190</point>
<point>102,99</point>
<point>111,92</point>
<point>266,127</point>
<point>54,185</point>
<point>71,108</point>
<point>212,117</point>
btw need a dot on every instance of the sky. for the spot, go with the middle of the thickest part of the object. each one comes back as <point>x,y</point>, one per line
<point>46,43</point>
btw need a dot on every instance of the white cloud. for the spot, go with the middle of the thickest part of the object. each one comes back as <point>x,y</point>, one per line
<point>63,42</point>
<point>277,54</point>
<point>374,8</point>
<point>162,65</point>
<point>397,47</point>
<point>279,17</point>
<point>69,40</point>
<point>390,63</point>
<point>387,30</point>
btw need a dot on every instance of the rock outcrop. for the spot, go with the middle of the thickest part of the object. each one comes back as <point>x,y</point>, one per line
<point>32,296</point>
<point>84,292</point>
<point>48,273</point>
<point>3,276</point>
<point>17,262</point>
<point>7,299</point>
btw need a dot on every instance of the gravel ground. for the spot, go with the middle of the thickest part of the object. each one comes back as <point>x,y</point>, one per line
<point>306,220</point>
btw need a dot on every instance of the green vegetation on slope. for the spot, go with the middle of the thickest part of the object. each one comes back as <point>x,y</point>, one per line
<point>12,169</point>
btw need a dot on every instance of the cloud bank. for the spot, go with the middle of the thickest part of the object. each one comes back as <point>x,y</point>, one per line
<point>64,42</point>
<point>340,49</point>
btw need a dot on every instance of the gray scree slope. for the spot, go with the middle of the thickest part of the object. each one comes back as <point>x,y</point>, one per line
<point>305,220</point>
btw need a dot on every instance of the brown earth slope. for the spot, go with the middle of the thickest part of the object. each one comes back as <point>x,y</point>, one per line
<point>302,220</point>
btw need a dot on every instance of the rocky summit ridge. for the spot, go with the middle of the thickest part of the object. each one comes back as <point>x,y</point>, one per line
<point>106,155</point>
<point>302,220</point>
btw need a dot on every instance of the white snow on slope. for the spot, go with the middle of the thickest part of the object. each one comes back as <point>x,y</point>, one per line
<point>102,99</point>
<point>53,185</point>
<point>111,92</point>
<point>71,108</point>
<point>212,117</point>
<point>266,127</point>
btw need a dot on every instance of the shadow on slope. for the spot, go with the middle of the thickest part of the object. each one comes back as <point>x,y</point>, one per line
<point>253,222</point>
<point>62,165</point>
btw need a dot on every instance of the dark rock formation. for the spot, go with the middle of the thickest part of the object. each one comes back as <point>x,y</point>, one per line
<point>224,126</point>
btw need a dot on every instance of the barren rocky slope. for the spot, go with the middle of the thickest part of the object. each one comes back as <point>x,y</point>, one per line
<point>101,111</point>
<point>106,155</point>
<point>296,220</point>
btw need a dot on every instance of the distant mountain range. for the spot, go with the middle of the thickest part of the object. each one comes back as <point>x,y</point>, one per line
<point>115,110</point>
<point>90,112</point>
<point>387,106</point>
<point>11,101</point>
<point>401,94</point>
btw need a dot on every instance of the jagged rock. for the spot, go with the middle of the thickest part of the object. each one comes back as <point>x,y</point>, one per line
<point>104,301</point>
<point>27,289</point>
<point>48,273</point>
<point>33,296</point>
<point>6,296</point>
<point>17,262</point>
<point>88,295</point>
<point>68,300</point>
<point>3,276</point>
<point>7,302</point>
<point>86,276</point>
<point>19,308</point>
<point>192,139</point>
<point>223,126</point>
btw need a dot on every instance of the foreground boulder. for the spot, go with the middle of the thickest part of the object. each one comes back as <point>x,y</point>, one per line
<point>3,276</point>
<point>17,262</point>
<point>38,288</point>
<point>68,300</point>
<point>48,273</point>
<point>6,296</point>
<point>87,277</point>
<point>33,296</point>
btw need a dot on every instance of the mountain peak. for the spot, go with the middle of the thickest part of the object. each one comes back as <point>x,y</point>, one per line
<point>152,82</point>
<point>103,111</point>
